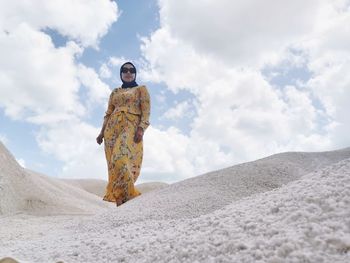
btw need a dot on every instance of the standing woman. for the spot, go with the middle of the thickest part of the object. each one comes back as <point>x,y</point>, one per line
<point>125,122</point>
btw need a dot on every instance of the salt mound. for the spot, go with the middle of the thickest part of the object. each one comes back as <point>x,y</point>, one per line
<point>304,221</point>
<point>291,207</point>
<point>206,193</point>
<point>93,186</point>
<point>151,186</point>
<point>9,170</point>
<point>98,187</point>
<point>22,190</point>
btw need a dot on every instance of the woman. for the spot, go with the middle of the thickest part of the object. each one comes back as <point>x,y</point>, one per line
<point>125,122</point>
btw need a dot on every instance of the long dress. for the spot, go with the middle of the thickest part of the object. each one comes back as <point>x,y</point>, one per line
<point>128,109</point>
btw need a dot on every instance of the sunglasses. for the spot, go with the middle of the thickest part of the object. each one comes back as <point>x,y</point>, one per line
<point>131,70</point>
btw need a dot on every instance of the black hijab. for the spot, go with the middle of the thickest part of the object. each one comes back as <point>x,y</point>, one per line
<point>128,84</point>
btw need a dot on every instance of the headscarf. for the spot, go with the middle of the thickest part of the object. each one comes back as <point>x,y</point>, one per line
<point>128,84</point>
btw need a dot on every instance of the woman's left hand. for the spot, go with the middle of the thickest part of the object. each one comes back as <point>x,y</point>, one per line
<point>138,135</point>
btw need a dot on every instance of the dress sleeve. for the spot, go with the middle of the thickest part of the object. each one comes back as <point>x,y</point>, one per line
<point>110,107</point>
<point>145,107</point>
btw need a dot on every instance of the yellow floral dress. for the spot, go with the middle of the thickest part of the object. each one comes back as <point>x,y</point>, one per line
<point>128,109</point>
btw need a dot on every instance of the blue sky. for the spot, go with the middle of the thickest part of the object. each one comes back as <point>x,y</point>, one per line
<point>225,88</point>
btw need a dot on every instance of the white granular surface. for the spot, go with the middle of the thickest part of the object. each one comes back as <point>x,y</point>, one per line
<point>290,207</point>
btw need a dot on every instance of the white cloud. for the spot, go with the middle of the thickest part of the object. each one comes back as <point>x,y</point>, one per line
<point>74,143</point>
<point>300,109</point>
<point>111,68</point>
<point>237,109</point>
<point>332,88</point>
<point>161,98</point>
<point>47,81</point>
<point>85,21</point>
<point>104,71</point>
<point>170,155</point>
<point>241,116</point>
<point>97,91</point>
<point>42,84</point>
<point>116,61</point>
<point>174,62</point>
<point>241,33</point>
<point>329,60</point>
<point>218,58</point>
<point>181,110</point>
<point>165,152</point>
<point>39,82</point>
<point>215,51</point>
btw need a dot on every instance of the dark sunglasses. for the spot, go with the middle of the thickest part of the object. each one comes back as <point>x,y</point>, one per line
<point>131,70</point>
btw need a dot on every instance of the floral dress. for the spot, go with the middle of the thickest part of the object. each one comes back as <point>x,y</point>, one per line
<point>128,109</point>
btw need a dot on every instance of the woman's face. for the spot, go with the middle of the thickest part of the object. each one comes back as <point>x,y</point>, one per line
<point>127,76</point>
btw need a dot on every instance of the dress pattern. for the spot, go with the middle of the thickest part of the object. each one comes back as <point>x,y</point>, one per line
<point>127,110</point>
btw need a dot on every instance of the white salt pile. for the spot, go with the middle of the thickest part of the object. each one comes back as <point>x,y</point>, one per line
<point>93,186</point>
<point>151,186</point>
<point>291,207</point>
<point>206,193</point>
<point>98,187</point>
<point>22,190</point>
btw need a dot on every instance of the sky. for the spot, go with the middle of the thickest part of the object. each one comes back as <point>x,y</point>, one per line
<point>230,81</point>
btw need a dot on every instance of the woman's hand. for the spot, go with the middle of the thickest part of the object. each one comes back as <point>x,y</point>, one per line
<point>138,135</point>
<point>99,138</point>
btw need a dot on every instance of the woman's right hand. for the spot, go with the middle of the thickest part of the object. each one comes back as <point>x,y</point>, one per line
<point>99,138</point>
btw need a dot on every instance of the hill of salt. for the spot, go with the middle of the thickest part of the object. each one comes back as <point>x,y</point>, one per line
<point>25,191</point>
<point>290,207</point>
<point>98,186</point>
<point>206,193</point>
<point>307,220</point>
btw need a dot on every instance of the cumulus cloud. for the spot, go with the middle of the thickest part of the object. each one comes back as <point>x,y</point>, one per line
<point>97,90</point>
<point>174,62</point>
<point>112,65</point>
<point>332,88</point>
<point>43,84</point>
<point>85,21</point>
<point>169,155</point>
<point>237,108</point>
<point>241,32</point>
<point>73,143</point>
<point>329,60</point>
<point>39,82</point>
<point>105,72</point>
<point>181,110</point>
<point>36,77</point>
<point>241,114</point>
<point>218,51</point>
